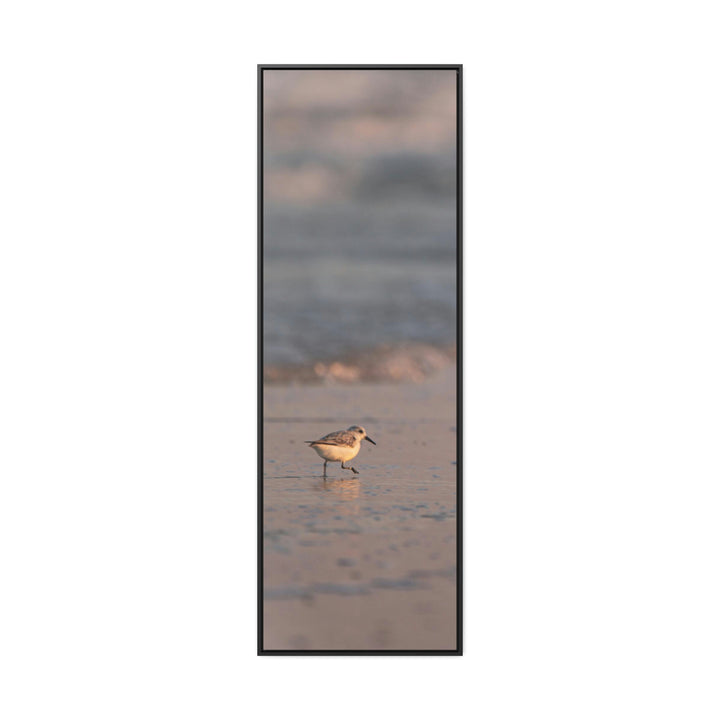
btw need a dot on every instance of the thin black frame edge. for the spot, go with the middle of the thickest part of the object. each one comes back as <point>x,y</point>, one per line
<point>260,427</point>
<point>296,66</point>
<point>459,366</point>
<point>459,651</point>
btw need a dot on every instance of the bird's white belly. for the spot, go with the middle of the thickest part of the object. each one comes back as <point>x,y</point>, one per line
<point>336,453</point>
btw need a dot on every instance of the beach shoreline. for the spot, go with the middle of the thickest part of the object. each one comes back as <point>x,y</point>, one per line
<point>368,561</point>
<point>407,362</point>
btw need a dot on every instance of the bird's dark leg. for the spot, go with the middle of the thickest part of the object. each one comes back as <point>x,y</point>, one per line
<point>325,469</point>
<point>342,465</point>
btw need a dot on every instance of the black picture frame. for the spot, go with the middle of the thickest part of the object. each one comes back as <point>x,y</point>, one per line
<point>458,68</point>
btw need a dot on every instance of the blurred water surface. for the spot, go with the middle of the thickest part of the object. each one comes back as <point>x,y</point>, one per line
<point>359,212</point>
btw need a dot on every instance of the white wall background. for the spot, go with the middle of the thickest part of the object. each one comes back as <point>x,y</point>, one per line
<point>127,368</point>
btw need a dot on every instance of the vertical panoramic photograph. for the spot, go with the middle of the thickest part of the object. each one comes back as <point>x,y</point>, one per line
<point>360,429</point>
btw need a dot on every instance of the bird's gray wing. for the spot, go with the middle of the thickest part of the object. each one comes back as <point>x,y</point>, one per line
<point>341,438</point>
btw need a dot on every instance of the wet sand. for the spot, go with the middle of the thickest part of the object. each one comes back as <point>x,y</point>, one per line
<point>368,561</point>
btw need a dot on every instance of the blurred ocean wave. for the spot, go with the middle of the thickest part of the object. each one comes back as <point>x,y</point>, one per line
<point>359,213</point>
<point>403,363</point>
<point>346,279</point>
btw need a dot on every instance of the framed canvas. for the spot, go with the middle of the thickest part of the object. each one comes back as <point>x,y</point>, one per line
<point>360,359</point>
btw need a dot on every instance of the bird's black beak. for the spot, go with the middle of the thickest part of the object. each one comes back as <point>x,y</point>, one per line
<point>370,440</point>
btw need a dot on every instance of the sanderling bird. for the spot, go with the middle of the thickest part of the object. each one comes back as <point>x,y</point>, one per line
<point>340,446</point>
